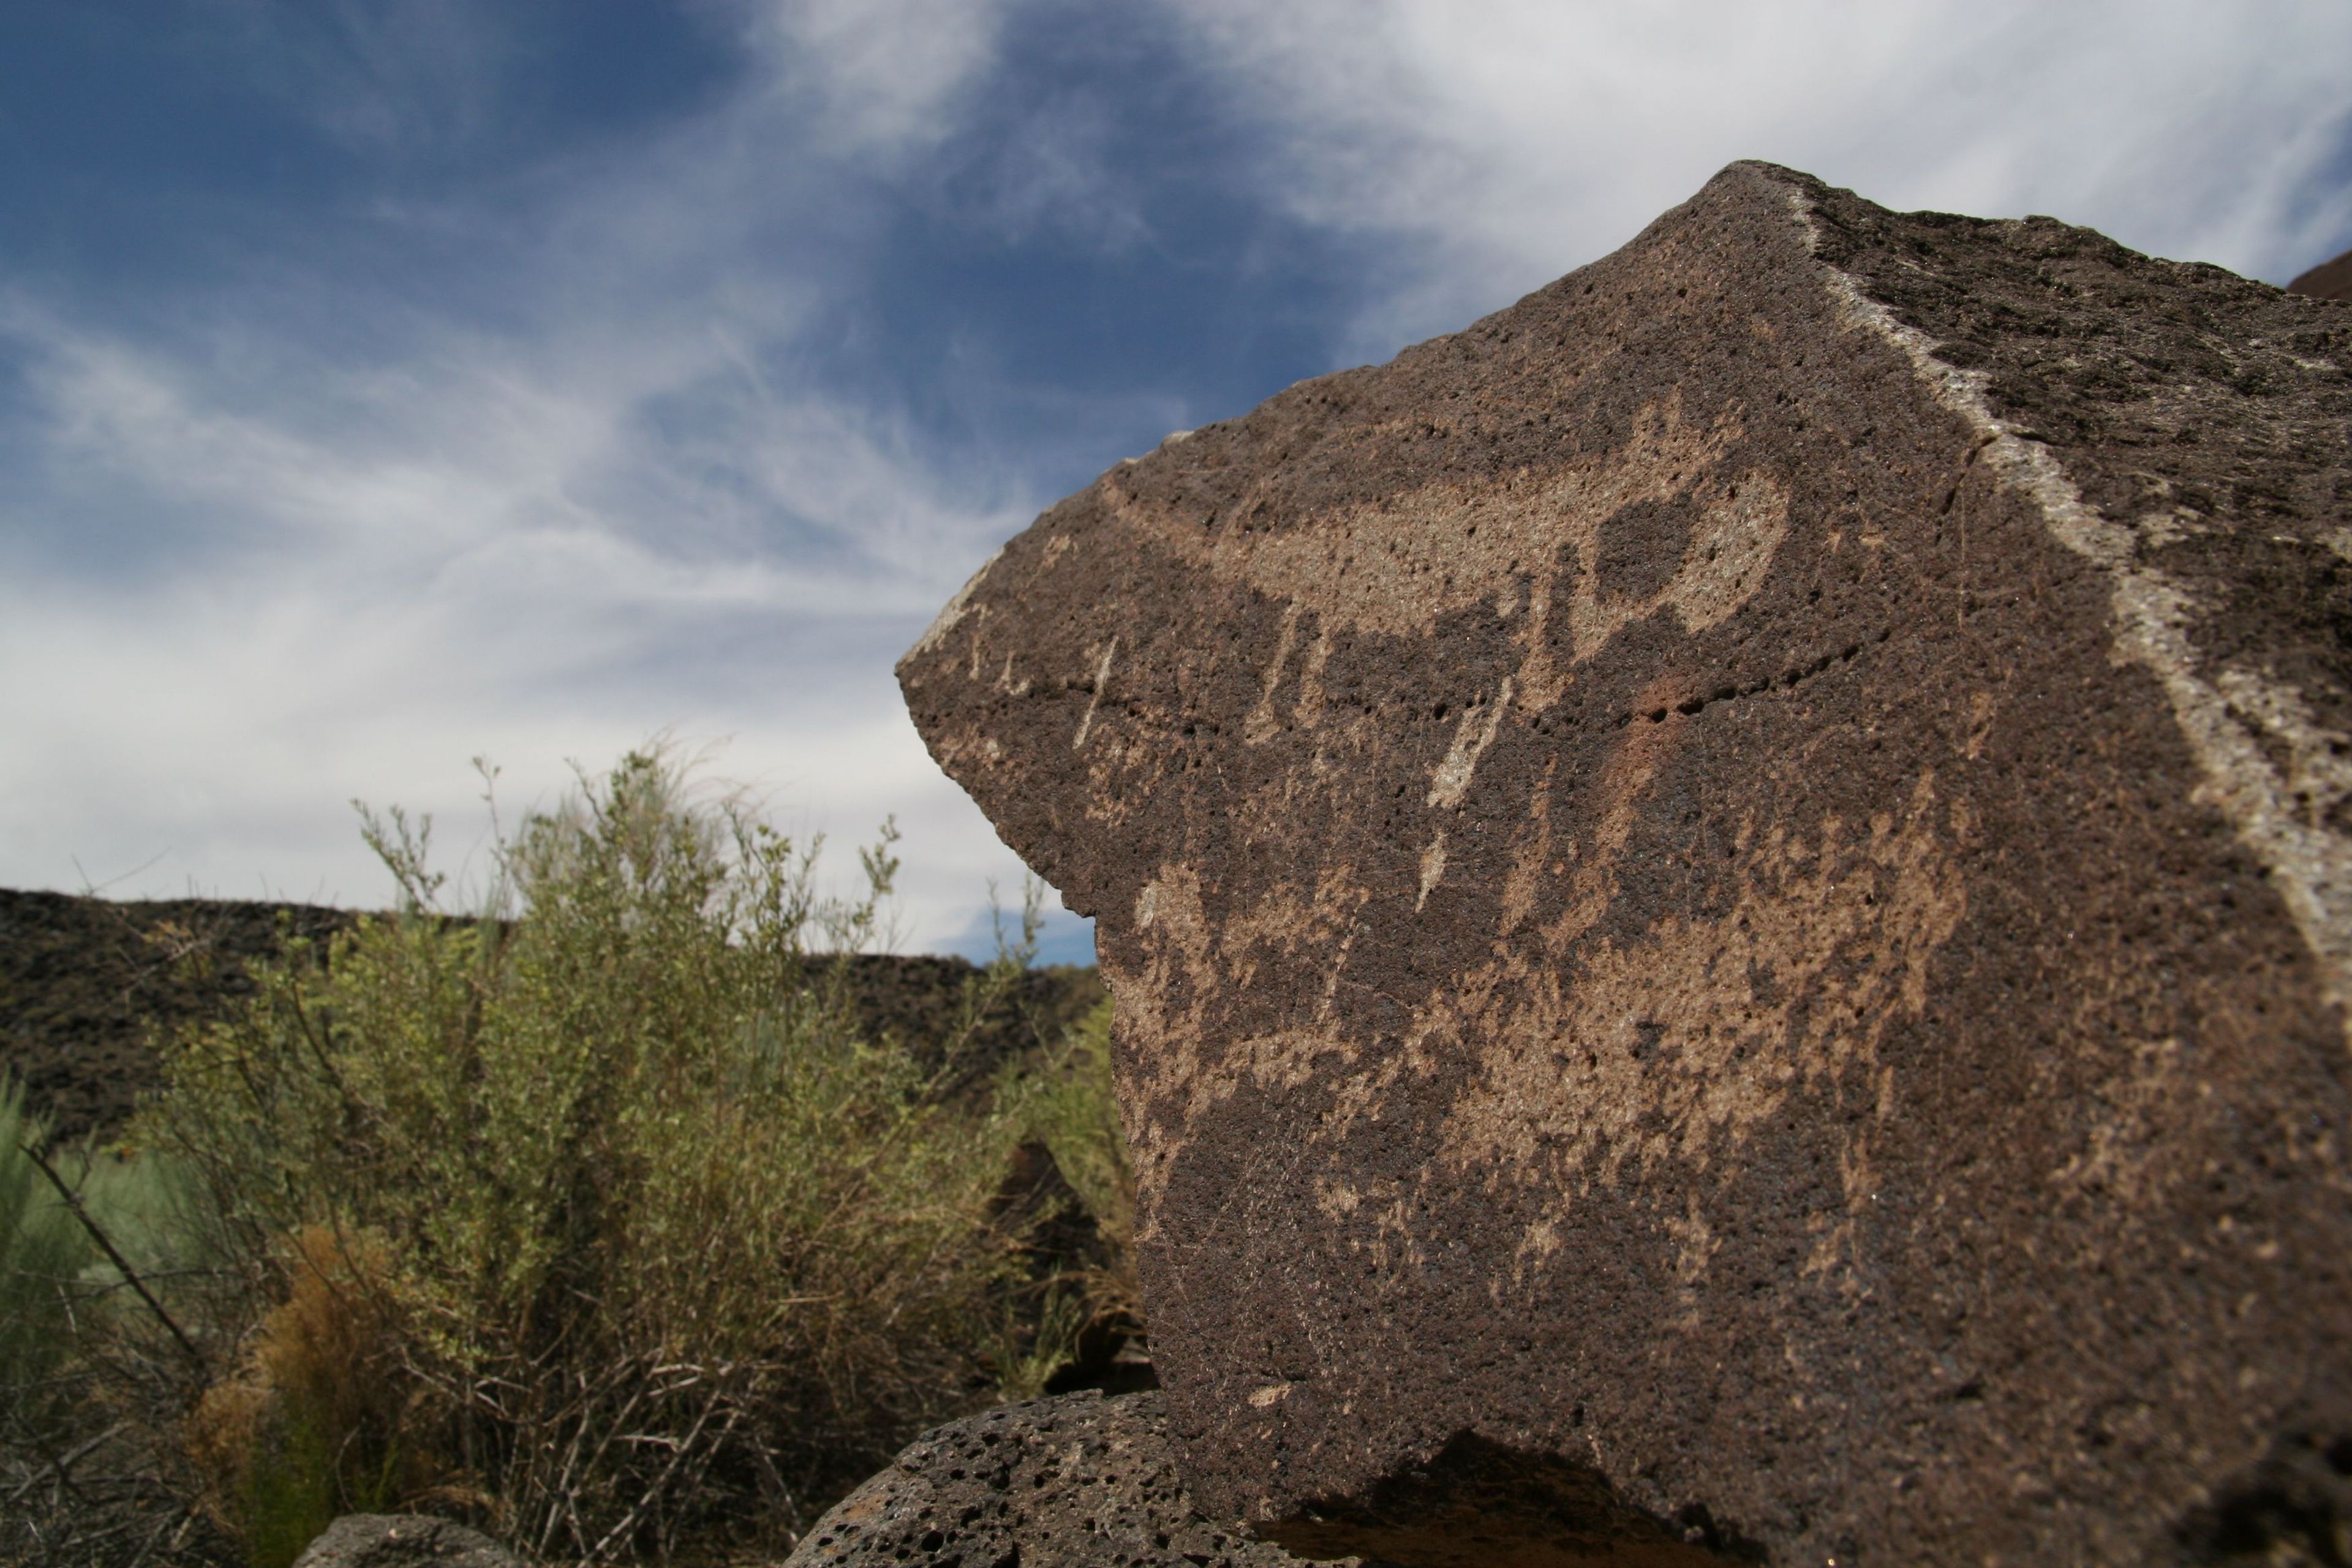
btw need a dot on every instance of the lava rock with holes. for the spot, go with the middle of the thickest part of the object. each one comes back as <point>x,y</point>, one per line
<point>1729,897</point>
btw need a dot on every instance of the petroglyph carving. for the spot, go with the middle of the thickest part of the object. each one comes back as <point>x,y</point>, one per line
<point>1740,876</point>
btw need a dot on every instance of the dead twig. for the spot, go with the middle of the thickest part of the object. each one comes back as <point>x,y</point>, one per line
<point>121,1264</point>
<point>653,1493</point>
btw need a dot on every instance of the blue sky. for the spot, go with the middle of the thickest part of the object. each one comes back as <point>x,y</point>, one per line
<point>386,383</point>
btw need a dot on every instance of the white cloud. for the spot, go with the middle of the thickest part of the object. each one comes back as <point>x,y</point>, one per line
<point>205,738</point>
<point>469,556</point>
<point>1513,140</point>
<point>581,487</point>
<point>255,569</point>
<point>891,76</point>
<point>1054,172</point>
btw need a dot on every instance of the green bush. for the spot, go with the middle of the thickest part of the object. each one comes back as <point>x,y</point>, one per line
<point>1066,1103</point>
<point>43,1252</point>
<point>593,1217</point>
<point>93,1371</point>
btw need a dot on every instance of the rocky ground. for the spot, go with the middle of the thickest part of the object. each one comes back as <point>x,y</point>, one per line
<point>88,985</point>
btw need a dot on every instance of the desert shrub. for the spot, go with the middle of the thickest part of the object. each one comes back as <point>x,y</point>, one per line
<point>1088,1308</point>
<point>593,1217</point>
<point>1066,1102</point>
<point>93,1368</point>
<point>43,1251</point>
<point>309,1426</point>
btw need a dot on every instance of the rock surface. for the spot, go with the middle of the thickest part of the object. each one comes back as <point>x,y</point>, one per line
<point>1080,1480</point>
<point>1089,1482</point>
<point>402,1541</point>
<point>2328,281</point>
<point>1737,876</point>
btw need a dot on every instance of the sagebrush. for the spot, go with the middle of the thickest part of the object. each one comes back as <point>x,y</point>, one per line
<point>590,1216</point>
<point>94,1369</point>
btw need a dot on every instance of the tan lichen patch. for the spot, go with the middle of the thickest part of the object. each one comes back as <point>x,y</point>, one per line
<point>1696,1245</point>
<point>1531,857</point>
<point>1472,736</point>
<point>1672,1048</point>
<point>1263,723</point>
<point>1433,869</point>
<point>1094,698</point>
<point>1739,533</point>
<point>953,614</point>
<point>1590,863</point>
<point>1007,685</point>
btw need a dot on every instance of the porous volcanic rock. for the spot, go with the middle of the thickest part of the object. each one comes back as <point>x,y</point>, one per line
<point>1083,1481</point>
<point>1076,1482</point>
<point>2328,281</point>
<point>1737,876</point>
<point>402,1541</point>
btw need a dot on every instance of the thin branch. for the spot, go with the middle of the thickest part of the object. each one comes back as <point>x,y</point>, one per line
<point>653,1493</point>
<point>65,1464</point>
<point>121,1264</point>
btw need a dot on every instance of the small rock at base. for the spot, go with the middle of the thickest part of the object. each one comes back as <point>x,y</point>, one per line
<point>1078,1480</point>
<point>402,1541</point>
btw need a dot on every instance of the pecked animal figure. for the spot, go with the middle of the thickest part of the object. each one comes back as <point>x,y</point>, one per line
<point>1735,879</point>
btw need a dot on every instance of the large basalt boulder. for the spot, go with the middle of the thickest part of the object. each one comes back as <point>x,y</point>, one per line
<point>1738,875</point>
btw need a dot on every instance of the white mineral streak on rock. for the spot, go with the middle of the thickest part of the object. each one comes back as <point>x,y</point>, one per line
<point>2318,775</point>
<point>1432,869</point>
<point>956,609</point>
<point>2281,818</point>
<point>1102,679</point>
<point>1471,739</point>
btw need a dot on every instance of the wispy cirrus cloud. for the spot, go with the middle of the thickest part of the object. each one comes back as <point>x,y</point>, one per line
<point>589,485</point>
<point>889,78</point>
<point>422,76</point>
<point>1510,140</point>
<point>494,557</point>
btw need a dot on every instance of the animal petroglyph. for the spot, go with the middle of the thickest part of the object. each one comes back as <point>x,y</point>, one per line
<point>1739,877</point>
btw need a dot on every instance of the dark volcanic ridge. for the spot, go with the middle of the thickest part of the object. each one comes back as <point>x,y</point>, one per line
<point>88,986</point>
